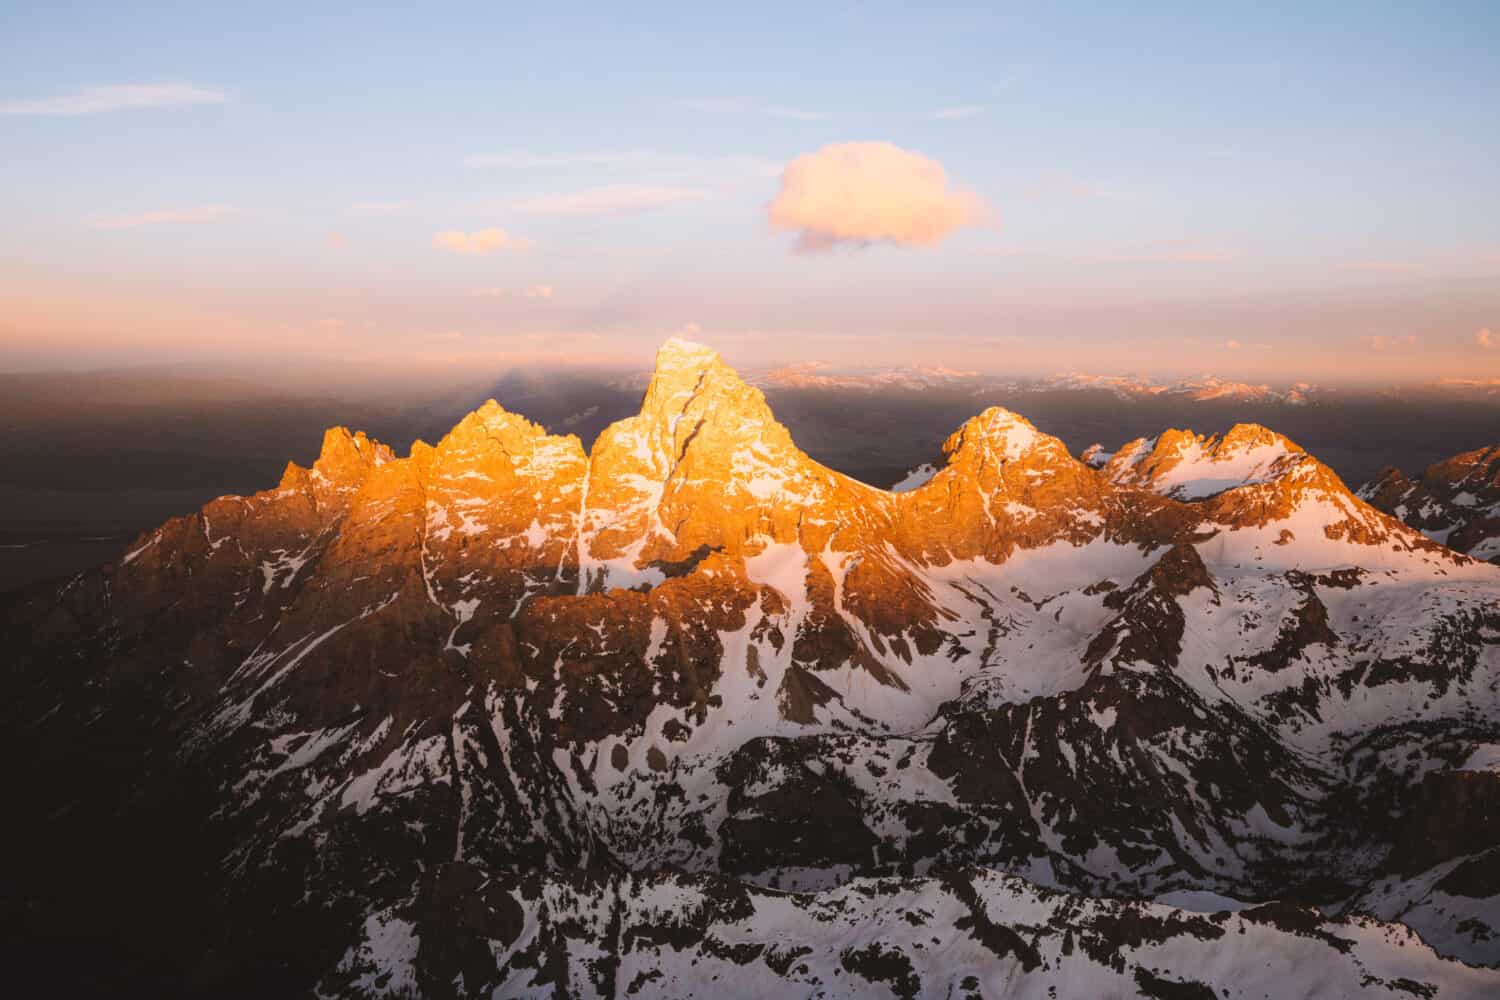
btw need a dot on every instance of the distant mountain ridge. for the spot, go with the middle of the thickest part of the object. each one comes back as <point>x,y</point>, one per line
<point>821,376</point>
<point>505,716</point>
<point>1455,501</point>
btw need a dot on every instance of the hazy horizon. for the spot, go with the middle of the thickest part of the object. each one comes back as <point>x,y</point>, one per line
<point>424,373</point>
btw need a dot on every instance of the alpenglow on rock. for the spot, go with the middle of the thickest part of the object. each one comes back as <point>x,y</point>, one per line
<point>691,714</point>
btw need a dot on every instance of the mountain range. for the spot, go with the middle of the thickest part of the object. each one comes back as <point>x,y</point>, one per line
<point>689,714</point>
<point>813,375</point>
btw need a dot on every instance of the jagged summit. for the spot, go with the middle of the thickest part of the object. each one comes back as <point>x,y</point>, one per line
<point>681,366</point>
<point>1191,466</point>
<point>678,353</point>
<point>491,416</point>
<point>691,381</point>
<point>1004,434</point>
<point>1455,501</point>
<point>344,461</point>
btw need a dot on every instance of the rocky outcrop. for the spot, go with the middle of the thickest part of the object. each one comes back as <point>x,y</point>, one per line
<point>1456,501</point>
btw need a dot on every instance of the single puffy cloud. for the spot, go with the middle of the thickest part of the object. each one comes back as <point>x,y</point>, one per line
<point>858,193</point>
<point>1233,345</point>
<point>480,242</point>
<point>1485,339</point>
<point>539,292</point>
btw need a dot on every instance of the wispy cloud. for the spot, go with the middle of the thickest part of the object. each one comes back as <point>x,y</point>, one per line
<point>1169,252</point>
<point>119,97</point>
<point>1485,339</point>
<point>614,199</point>
<point>1381,343</point>
<point>194,215</point>
<point>483,241</point>
<point>795,114</point>
<point>959,113</point>
<point>716,105</point>
<point>380,209</point>
<point>520,159</point>
<point>1379,266</point>
<point>1187,255</point>
<point>1058,185</point>
<point>530,292</point>
<point>740,106</point>
<point>637,161</point>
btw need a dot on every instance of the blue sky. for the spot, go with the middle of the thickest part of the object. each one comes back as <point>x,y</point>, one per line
<point>1264,189</point>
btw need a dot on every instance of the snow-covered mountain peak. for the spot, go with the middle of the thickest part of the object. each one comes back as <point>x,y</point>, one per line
<point>691,387</point>
<point>680,366</point>
<point>1005,435</point>
<point>1189,466</point>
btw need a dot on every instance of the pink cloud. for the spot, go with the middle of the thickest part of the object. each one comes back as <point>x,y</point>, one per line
<point>1186,256</point>
<point>482,241</point>
<point>196,215</point>
<point>1485,339</point>
<point>858,193</point>
<point>1380,342</point>
<point>615,199</point>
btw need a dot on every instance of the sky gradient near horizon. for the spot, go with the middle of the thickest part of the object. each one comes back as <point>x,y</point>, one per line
<point>1268,191</point>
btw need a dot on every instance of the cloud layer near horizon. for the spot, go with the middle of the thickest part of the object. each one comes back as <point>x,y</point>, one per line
<point>858,193</point>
